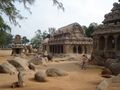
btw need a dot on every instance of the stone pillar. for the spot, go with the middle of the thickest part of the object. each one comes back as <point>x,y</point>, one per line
<point>97,39</point>
<point>83,49</point>
<point>106,42</point>
<point>115,38</point>
<point>76,49</point>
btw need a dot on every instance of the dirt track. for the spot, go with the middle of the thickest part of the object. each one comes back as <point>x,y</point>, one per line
<point>76,80</point>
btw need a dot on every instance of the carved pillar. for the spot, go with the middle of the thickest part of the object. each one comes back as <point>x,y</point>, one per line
<point>115,38</point>
<point>77,49</point>
<point>106,42</point>
<point>83,49</point>
<point>97,41</point>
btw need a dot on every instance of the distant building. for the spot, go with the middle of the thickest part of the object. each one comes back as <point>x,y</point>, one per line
<point>106,38</point>
<point>68,40</point>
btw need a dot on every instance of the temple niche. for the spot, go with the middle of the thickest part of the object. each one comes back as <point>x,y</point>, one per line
<point>17,46</point>
<point>106,38</point>
<point>69,39</point>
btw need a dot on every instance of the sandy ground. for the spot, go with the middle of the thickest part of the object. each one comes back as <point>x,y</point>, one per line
<point>76,80</point>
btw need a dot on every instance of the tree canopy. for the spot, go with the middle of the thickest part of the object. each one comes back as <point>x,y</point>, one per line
<point>90,29</point>
<point>37,40</point>
<point>8,8</point>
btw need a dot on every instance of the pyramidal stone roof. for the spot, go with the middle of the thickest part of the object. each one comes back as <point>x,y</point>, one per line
<point>111,23</point>
<point>70,28</point>
<point>114,15</point>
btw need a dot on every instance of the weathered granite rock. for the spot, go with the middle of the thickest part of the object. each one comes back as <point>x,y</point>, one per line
<point>40,76</point>
<point>104,84</point>
<point>110,61</point>
<point>106,73</point>
<point>7,68</point>
<point>32,66</point>
<point>115,68</point>
<point>53,72</point>
<point>37,60</point>
<point>116,79</point>
<point>19,63</point>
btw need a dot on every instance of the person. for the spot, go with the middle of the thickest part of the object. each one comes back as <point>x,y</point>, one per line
<point>84,61</point>
<point>45,54</point>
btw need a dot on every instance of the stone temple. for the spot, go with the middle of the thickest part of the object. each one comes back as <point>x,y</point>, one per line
<point>106,38</point>
<point>69,39</point>
<point>17,46</point>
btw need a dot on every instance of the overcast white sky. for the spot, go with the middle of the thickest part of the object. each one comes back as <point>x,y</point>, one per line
<point>45,15</point>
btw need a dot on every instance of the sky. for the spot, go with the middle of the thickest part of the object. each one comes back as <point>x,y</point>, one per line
<point>45,15</point>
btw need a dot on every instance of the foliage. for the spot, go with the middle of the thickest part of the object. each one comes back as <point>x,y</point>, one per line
<point>58,4</point>
<point>36,41</point>
<point>25,40</point>
<point>5,39</point>
<point>8,8</point>
<point>90,29</point>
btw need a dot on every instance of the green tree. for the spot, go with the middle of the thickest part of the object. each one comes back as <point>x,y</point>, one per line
<point>25,40</point>
<point>4,32</point>
<point>8,8</point>
<point>37,40</point>
<point>90,29</point>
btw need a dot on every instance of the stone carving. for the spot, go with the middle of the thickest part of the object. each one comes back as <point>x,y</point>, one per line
<point>17,46</point>
<point>107,40</point>
<point>69,39</point>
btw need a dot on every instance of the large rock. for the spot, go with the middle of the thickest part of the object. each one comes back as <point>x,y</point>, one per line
<point>115,68</point>
<point>32,66</point>
<point>106,73</point>
<point>19,63</point>
<point>53,72</point>
<point>40,76</point>
<point>109,61</point>
<point>104,84</point>
<point>37,60</point>
<point>116,79</point>
<point>7,68</point>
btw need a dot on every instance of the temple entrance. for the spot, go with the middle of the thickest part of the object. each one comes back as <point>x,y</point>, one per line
<point>74,49</point>
<point>111,42</point>
<point>102,43</point>
<point>118,42</point>
<point>17,51</point>
<point>79,49</point>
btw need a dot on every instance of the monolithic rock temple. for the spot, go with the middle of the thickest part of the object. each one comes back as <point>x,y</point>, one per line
<point>106,38</point>
<point>68,40</point>
<point>17,46</point>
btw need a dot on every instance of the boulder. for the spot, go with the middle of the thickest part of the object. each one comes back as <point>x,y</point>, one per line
<point>32,66</point>
<point>104,84</point>
<point>115,68</point>
<point>109,61</point>
<point>53,72</point>
<point>19,63</point>
<point>7,68</point>
<point>40,76</point>
<point>37,60</point>
<point>106,73</point>
<point>116,79</point>
<point>50,57</point>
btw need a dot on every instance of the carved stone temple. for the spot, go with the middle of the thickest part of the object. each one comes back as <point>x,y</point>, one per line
<point>17,46</point>
<point>69,39</point>
<point>106,38</point>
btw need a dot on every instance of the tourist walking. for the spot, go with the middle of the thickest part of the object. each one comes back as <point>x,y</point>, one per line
<point>84,61</point>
